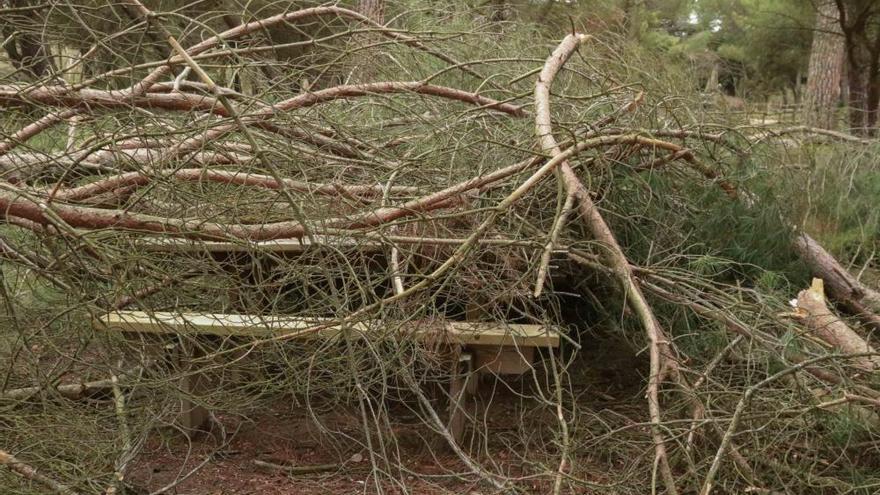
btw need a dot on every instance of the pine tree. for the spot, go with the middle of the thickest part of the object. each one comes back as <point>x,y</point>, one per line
<point>826,68</point>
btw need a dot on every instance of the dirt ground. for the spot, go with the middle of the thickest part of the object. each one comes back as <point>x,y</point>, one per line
<point>286,436</point>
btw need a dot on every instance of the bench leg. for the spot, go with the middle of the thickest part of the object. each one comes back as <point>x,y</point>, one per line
<point>193,417</point>
<point>460,391</point>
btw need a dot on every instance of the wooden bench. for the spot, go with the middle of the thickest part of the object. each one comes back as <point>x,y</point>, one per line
<point>484,347</point>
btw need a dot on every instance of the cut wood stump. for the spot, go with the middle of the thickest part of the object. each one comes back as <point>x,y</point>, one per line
<point>828,327</point>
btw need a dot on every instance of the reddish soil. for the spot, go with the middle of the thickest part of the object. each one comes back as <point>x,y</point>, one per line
<point>288,437</point>
<point>519,432</point>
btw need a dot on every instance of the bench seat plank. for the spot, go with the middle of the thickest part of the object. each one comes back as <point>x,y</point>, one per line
<point>464,333</point>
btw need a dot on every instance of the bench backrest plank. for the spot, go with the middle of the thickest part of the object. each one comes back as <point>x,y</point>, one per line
<point>465,333</point>
<point>295,246</point>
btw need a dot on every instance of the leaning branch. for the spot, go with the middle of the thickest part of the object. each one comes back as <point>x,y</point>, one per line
<point>30,473</point>
<point>614,256</point>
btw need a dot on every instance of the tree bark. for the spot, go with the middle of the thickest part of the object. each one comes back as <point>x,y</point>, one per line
<point>25,49</point>
<point>864,81</point>
<point>857,97</point>
<point>11,47</point>
<point>33,55</point>
<point>365,67</point>
<point>873,85</point>
<point>863,63</point>
<point>374,9</point>
<point>826,68</point>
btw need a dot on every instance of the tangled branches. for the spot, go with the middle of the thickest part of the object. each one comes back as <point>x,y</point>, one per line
<point>366,208</point>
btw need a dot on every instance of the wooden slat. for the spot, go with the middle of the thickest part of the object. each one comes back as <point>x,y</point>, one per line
<point>295,327</point>
<point>176,245</point>
<point>297,245</point>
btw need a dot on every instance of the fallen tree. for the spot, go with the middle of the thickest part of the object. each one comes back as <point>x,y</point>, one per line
<point>425,197</point>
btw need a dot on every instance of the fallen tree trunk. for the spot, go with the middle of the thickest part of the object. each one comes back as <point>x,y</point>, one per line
<point>17,204</point>
<point>832,330</point>
<point>22,167</point>
<point>92,99</point>
<point>841,285</point>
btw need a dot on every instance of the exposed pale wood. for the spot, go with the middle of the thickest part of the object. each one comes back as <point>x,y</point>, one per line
<point>831,329</point>
<point>839,284</point>
<point>193,416</point>
<point>463,333</point>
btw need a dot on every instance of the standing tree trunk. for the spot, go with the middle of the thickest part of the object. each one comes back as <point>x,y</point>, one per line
<point>862,43</point>
<point>863,72</point>
<point>712,83</point>
<point>24,46</point>
<point>873,85</point>
<point>374,9</point>
<point>365,70</point>
<point>826,68</point>
<point>10,45</point>
<point>857,93</point>
<point>35,55</point>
